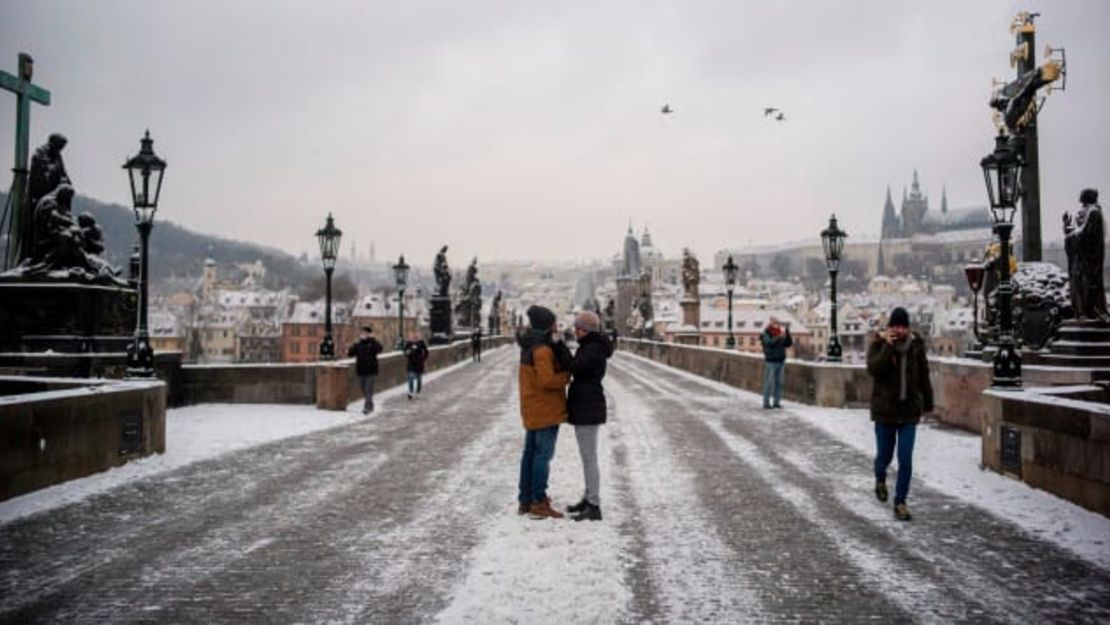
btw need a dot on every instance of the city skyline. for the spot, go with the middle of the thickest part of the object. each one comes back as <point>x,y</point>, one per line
<point>536,133</point>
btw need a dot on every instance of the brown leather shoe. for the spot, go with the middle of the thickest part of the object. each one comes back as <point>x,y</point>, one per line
<point>523,508</point>
<point>543,510</point>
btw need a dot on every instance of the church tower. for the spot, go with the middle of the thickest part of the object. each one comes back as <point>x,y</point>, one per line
<point>914,208</point>
<point>891,228</point>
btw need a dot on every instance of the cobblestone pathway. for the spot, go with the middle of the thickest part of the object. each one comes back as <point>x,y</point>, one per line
<point>722,513</point>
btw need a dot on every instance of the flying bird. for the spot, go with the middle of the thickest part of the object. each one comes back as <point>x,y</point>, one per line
<point>780,118</point>
<point>767,111</point>
<point>666,110</point>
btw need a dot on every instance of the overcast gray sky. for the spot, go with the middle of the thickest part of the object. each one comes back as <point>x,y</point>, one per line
<point>532,130</point>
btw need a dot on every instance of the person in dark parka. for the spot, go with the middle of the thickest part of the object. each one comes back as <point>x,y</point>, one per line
<point>900,394</point>
<point>365,352</point>
<point>416,353</point>
<point>586,409</point>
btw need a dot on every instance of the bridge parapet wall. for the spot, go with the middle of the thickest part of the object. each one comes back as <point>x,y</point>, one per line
<point>958,384</point>
<point>301,383</point>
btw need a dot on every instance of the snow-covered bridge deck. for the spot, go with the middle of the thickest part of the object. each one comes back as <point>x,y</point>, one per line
<point>714,511</point>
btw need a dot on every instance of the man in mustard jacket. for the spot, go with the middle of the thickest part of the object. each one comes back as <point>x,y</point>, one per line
<point>544,375</point>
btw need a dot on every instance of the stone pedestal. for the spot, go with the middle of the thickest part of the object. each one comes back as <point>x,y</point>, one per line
<point>66,317</point>
<point>1078,343</point>
<point>689,333</point>
<point>440,320</point>
<point>332,382</point>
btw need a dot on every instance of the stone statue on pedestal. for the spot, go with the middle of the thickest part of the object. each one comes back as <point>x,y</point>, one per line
<point>442,273</point>
<point>495,315</point>
<point>469,306</point>
<point>691,274</point>
<point>1083,242</point>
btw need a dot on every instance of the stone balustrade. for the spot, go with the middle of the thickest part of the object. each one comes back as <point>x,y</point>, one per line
<point>58,429</point>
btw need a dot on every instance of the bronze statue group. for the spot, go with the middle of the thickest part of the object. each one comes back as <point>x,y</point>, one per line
<point>54,244</point>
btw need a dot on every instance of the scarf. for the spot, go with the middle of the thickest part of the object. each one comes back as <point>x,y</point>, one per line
<point>902,348</point>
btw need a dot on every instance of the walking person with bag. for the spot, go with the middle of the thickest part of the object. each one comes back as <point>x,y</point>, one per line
<point>586,409</point>
<point>365,353</point>
<point>900,395</point>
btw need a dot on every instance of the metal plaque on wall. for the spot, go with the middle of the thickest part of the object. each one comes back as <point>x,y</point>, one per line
<point>131,433</point>
<point>1011,450</point>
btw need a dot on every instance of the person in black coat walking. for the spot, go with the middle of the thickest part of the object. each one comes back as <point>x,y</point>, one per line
<point>416,353</point>
<point>586,409</point>
<point>476,346</point>
<point>365,353</point>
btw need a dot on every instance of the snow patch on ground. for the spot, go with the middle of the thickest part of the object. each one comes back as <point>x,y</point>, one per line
<point>694,573</point>
<point>949,460</point>
<point>548,571</point>
<point>202,432</point>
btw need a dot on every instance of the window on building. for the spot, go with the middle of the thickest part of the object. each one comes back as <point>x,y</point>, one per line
<point>294,348</point>
<point>225,334</point>
<point>295,330</point>
<point>312,349</point>
<point>716,341</point>
<point>312,330</point>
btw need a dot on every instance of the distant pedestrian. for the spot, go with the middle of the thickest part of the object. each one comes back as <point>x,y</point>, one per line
<point>586,409</point>
<point>476,346</point>
<point>365,352</point>
<point>775,339</point>
<point>416,353</point>
<point>900,394</point>
<point>545,364</point>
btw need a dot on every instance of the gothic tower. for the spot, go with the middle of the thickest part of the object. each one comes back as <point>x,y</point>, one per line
<point>914,208</point>
<point>891,228</point>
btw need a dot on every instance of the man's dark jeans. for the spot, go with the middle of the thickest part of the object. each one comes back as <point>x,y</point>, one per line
<point>886,438</point>
<point>539,448</point>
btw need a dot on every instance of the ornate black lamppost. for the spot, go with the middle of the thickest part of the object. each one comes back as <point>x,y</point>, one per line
<point>731,269</point>
<point>401,277</point>
<point>145,171</point>
<point>328,236</point>
<point>832,239</point>
<point>1002,171</point>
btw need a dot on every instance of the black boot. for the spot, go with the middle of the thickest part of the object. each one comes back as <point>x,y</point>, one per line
<point>590,513</point>
<point>578,507</point>
<point>880,490</point>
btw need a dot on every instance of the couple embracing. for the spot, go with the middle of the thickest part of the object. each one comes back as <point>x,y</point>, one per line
<point>546,369</point>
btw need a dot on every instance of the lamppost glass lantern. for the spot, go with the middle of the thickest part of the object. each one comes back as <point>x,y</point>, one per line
<point>401,278</point>
<point>832,240</point>
<point>144,171</point>
<point>328,237</point>
<point>731,269</point>
<point>1002,174</point>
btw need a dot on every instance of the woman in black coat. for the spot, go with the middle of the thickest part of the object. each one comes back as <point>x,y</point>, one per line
<point>586,409</point>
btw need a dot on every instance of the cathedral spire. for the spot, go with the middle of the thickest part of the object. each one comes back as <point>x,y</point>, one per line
<point>890,227</point>
<point>944,198</point>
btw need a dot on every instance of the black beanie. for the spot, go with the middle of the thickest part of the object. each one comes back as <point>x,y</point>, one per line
<point>899,317</point>
<point>540,318</point>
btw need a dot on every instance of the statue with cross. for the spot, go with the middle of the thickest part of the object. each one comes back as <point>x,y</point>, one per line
<point>46,242</point>
<point>17,216</point>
